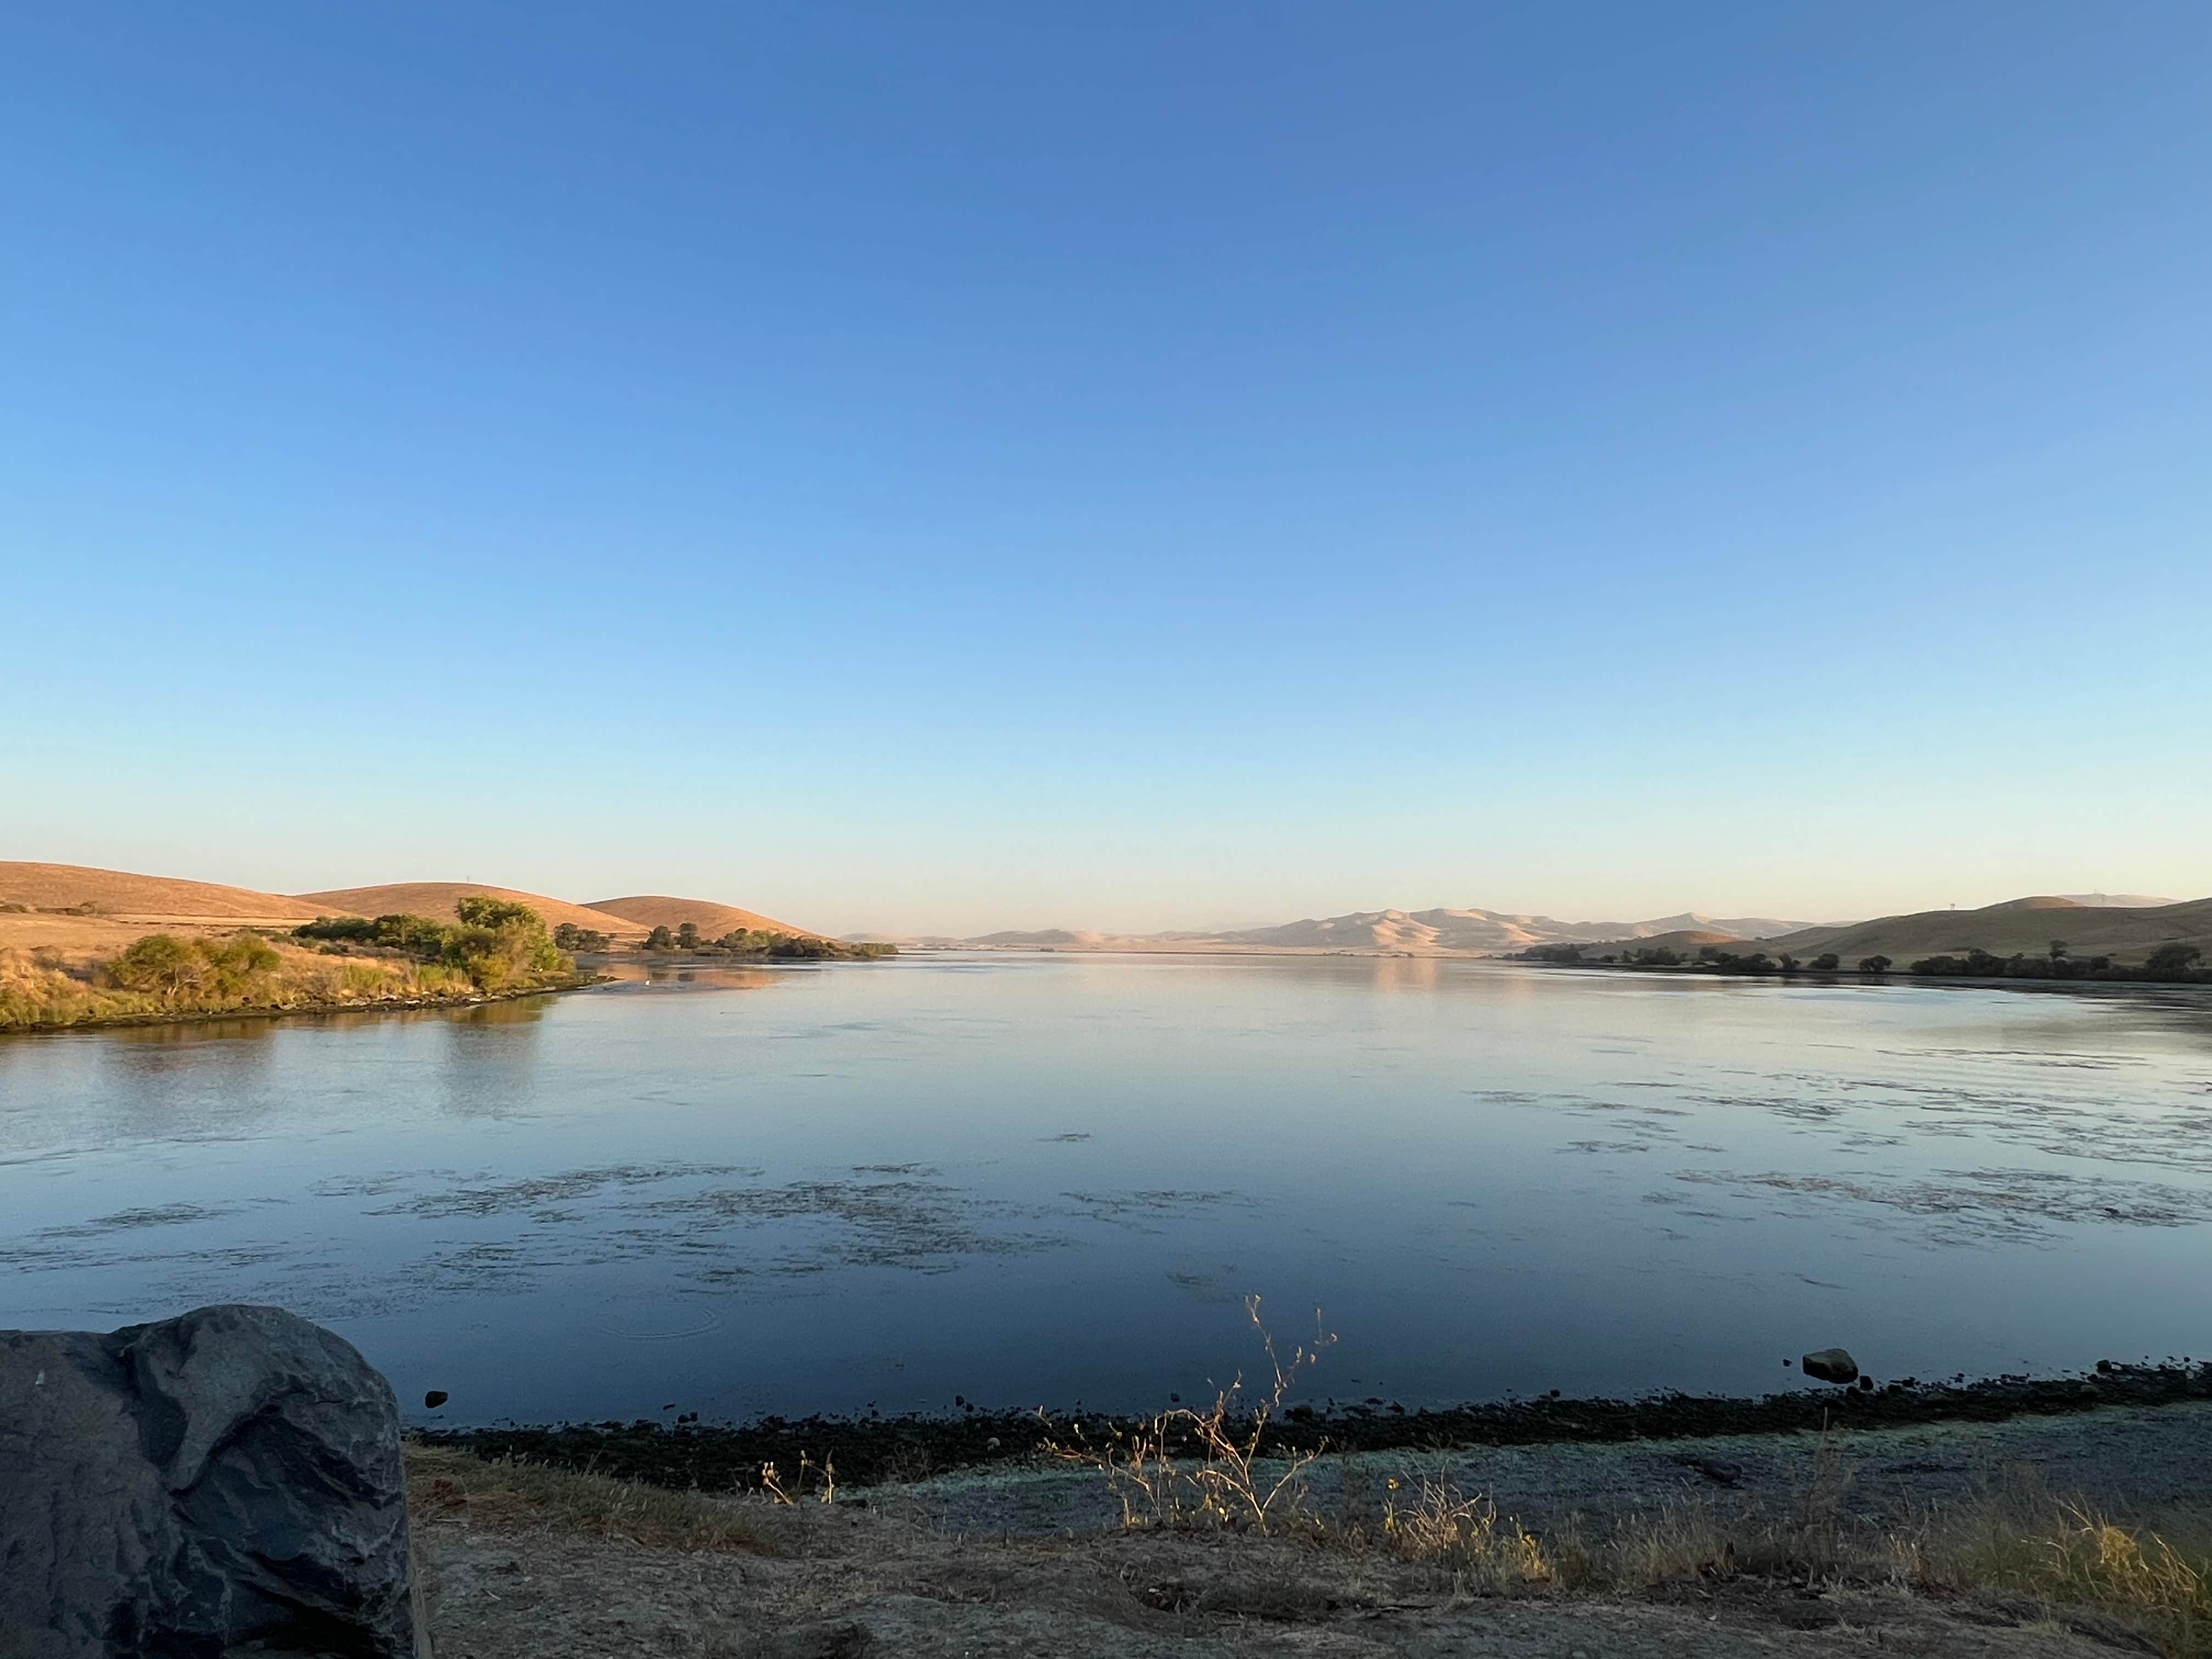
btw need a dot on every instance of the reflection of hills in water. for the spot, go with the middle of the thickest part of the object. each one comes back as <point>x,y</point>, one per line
<point>696,976</point>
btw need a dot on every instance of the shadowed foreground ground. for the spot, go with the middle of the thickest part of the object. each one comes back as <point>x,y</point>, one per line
<point>1885,1541</point>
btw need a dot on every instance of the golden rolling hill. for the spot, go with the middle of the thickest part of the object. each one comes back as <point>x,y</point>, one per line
<point>106,909</point>
<point>1687,939</point>
<point>649,910</point>
<point>2126,933</point>
<point>437,899</point>
<point>125,896</point>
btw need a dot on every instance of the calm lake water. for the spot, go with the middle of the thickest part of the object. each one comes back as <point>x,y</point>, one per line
<point>1050,1178</point>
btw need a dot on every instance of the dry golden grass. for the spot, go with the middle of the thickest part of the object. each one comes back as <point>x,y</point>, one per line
<point>2124,933</point>
<point>35,992</point>
<point>49,887</point>
<point>72,917</point>
<point>2154,1576</point>
<point>1433,1522</point>
<point>1189,1467</point>
<point>446,1483</point>
<point>40,990</point>
<point>79,943</point>
<point>1205,1469</point>
<point>2065,1560</point>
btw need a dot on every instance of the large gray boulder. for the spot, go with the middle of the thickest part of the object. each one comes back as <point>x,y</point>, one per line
<point>230,1476</point>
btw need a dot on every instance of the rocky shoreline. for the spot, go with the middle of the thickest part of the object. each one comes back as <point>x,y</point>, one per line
<point>874,1450</point>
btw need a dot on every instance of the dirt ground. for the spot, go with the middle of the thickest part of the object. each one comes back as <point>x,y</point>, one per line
<point>858,1583</point>
<point>1022,1562</point>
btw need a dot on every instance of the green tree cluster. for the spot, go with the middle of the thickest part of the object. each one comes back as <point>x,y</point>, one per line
<point>198,970</point>
<point>1733,961</point>
<point>500,944</point>
<point>1568,954</point>
<point>762,942</point>
<point>2174,964</point>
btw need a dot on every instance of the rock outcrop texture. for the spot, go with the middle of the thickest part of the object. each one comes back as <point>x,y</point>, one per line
<point>229,1477</point>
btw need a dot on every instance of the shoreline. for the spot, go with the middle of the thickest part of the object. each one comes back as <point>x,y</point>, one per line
<point>1311,953</point>
<point>1975,1541</point>
<point>388,1005</point>
<point>1854,976</point>
<point>874,1450</point>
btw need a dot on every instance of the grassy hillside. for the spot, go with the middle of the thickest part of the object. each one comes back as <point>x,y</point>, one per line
<point>58,887</point>
<point>649,910</point>
<point>2126,933</point>
<point>1688,941</point>
<point>438,900</point>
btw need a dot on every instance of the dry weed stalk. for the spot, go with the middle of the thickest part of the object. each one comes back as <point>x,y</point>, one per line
<point>1189,1467</point>
<point>2096,1560</point>
<point>1461,1531</point>
<point>825,1472</point>
<point>2065,1551</point>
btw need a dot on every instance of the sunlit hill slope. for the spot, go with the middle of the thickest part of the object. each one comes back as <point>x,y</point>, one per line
<point>437,899</point>
<point>2029,925</point>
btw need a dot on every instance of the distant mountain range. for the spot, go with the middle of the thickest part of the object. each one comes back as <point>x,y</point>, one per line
<point>1418,932</point>
<point>2124,925</point>
<point>73,909</point>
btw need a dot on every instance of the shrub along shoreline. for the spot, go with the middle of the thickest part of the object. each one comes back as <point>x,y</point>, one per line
<point>496,950</point>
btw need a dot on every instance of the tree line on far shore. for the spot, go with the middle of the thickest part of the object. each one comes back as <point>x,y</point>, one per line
<point>687,939</point>
<point>2169,965</point>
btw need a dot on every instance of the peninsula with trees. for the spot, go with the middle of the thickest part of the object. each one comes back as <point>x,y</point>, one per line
<point>86,947</point>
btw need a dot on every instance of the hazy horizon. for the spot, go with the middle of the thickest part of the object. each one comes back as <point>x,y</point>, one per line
<point>1215,922</point>
<point>944,472</point>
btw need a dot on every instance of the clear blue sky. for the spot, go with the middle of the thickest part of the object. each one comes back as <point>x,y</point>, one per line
<point>956,466</point>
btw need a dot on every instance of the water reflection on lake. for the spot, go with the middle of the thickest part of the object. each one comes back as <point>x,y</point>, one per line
<point>1026,1179</point>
